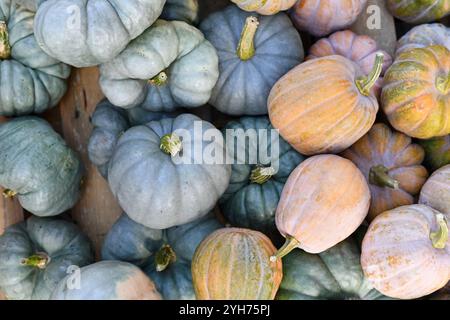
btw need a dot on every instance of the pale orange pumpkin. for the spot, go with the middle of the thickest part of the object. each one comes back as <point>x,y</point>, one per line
<point>264,7</point>
<point>436,191</point>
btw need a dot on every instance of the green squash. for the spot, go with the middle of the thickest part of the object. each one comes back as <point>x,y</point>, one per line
<point>170,65</point>
<point>164,255</point>
<point>32,81</point>
<point>38,167</point>
<point>181,10</point>
<point>437,152</point>
<point>36,254</point>
<point>423,36</point>
<point>419,11</point>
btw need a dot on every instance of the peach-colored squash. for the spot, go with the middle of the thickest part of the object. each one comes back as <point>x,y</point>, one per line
<point>264,7</point>
<point>436,191</point>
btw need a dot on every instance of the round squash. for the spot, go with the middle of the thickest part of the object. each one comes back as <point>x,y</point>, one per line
<point>32,81</point>
<point>325,105</point>
<point>36,254</point>
<point>157,176</point>
<point>254,52</point>
<point>392,167</point>
<point>416,92</point>
<point>322,17</point>
<point>140,116</point>
<point>255,186</point>
<point>170,65</point>
<point>419,11</point>
<point>181,10</point>
<point>234,264</point>
<point>265,7</point>
<point>108,280</point>
<point>38,167</point>
<point>436,191</point>
<point>437,152</point>
<point>31,5</point>
<point>406,252</point>
<point>324,201</point>
<point>424,35</point>
<point>164,255</point>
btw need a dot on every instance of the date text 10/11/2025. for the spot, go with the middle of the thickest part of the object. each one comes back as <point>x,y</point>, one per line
<point>227,309</point>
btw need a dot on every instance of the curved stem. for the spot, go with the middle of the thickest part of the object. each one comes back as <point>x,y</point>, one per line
<point>440,237</point>
<point>5,47</point>
<point>379,176</point>
<point>443,83</point>
<point>290,244</point>
<point>160,79</point>
<point>246,47</point>
<point>261,175</point>
<point>171,144</point>
<point>164,257</point>
<point>39,260</point>
<point>8,193</point>
<point>365,84</point>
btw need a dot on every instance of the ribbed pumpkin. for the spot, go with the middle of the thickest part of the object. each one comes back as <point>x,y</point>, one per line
<point>181,10</point>
<point>324,105</point>
<point>424,35</point>
<point>234,264</point>
<point>419,11</point>
<point>323,202</point>
<point>392,167</point>
<point>265,7</point>
<point>436,191</point>
<point>416,92</point>
<point>406,252</point>
<point>322,17</point>
<point>437,152</point>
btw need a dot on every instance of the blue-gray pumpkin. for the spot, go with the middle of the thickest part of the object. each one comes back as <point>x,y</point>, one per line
<point>181,10</point>
<point>424,35</point>
<point>32,81</point>
<point>164,255</point>
<point>254,53</point>
<point>38,167</point>
<point>36,254</point>
<point>170,65</point>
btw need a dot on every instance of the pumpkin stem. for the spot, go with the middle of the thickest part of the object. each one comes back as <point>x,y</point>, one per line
<point>164,257</point>
<point>290,244</point>
<point>5,47</point>
<point>160,79</point>
<point>440,237</point>
<point>39,260</point>
<point>171,144</point>
<point>8,193</point>
<point>246,47</point>
<point>365,84</point>
<point>379,176</point>
<point>443,83</point>
<point>261,175</point>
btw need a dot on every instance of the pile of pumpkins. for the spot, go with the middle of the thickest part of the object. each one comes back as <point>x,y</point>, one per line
<point>362,194</point>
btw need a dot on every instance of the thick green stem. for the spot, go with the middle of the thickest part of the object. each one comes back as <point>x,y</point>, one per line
<point>261,175</point>
<point>8,193</point>
<point>290,244</point>
<point>365,84</point>
<point>171,144</point>
<point>443,83</point>
<point>379,176</point>
<point>164,257</point>
<point>5,47</point>
<point>160,79</point>
<point>246,47</point>
<point>440,237</point>
<point>39,260</point>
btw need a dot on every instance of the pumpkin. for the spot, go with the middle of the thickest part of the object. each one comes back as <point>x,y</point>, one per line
<point>360,49</point>
<point>170,65</point>
<point>32,81</point>
<point>424,35</point>
<point>182,10</point>
<point>322,17</point>
<point>324,105</point>
<point>325,199</point>
<point>139,116</point>
<point>405,253</point>
<point>252,197</point>
<point>265,7</point>
<point>38,167</point>
<point>254,52</point>
<point>36,254</point>
<point>415,94</point>
<point>437,152</point>
<point>157,176</point>
<point>107,280</point>
<point>164,255</point>
<point>436,191</point>
<point>415,12</point>
<point>234,264</point>
<point>392,167</point>
<point>31,5</point>
<point>85,33</point>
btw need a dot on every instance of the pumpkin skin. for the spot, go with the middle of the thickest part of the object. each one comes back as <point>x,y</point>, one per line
<point>173,50</point>
<point>32,81</point>
<point>436,191</point>
<point>265,7</point>
<point>424,35</point>
<point>58,243</point>
<point>247,203</point>
<point>437,152</point>
<point>109,280</point>
<point>234,264</point>
<point>85,33</point>
<point>416,92</point>
<point>182,10</point>
<point>38,167</point>
<point>415,12</point>
<point>152,187</point>
<point>131,242</point>
<point>402,262</point>
<point>31,5</point>
<point>392,167</point>
<point>322,17</point>
<point>245,80</point>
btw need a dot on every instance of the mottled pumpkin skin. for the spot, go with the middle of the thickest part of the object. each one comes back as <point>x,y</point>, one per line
<point>37,165</point>
<point>424,35</point>
<point>419,11</point>
<point>32,81</point>
<point>131,242</point>
<point>437,152</point>
<point>234,264</point>
<point>265,7</point>
<point>31,5</point>
<point>411,98</point>
<point>318,108</point>
<point>436,191</point>
<point>243,86</point>
<point>181,10</point>
<point>402,159</point>
<point>62,241</point>
<point>322,17</point>
<point>400,261</point>
<point>108,280</point>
